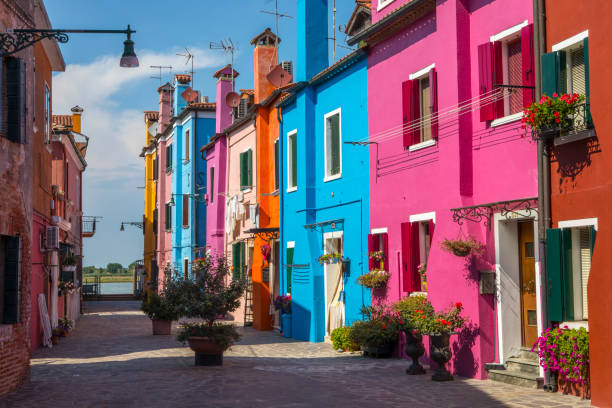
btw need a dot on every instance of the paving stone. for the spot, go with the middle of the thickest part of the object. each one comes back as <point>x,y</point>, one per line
<point>112,360</point>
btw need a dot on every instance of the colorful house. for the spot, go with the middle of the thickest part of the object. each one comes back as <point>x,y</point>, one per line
<point>193,125</point>
<point>150,215</point>
<point>576,178</point>
<point>324,183</point>
<point>448,160</point>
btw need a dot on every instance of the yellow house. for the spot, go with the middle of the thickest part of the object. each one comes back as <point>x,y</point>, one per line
<point>149,152</point>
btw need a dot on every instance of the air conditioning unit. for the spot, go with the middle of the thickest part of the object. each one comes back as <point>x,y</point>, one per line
<point>287,66</point>
<point>52,238</point>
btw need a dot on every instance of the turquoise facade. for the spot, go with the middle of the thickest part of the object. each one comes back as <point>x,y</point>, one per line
<point>324,210</point>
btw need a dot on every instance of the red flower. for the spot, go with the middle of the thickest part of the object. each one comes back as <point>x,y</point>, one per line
<point>415,332</point>
<point>555,95</point>
<point>458,305</point>
<point>558,120</point>
<point>384,327</point>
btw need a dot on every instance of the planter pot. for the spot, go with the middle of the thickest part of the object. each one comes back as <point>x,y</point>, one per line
<point>462,252</point>
<point>161,327</point>
<point>414,349</point>
<point>54,340</point>
<point>286,324</point>
<point>207,352</point>
<point>379,351</point>
<point>69,268</point>
<point>439,350</point>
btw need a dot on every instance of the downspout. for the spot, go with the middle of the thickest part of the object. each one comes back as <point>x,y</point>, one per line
<point>193,180</point>
<point>282,250</point>
<point>544,219</point>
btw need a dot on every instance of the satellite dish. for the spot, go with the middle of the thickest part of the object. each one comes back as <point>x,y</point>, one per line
<point>232,100</point>
<point>153,129</point>
<point>279,77</point>
<point>189,95</point>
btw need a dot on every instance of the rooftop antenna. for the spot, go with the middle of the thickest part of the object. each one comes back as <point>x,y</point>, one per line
<point>228,48</point>
<point>189,57</point>
<point>160,67</point>
<point>276,15</point>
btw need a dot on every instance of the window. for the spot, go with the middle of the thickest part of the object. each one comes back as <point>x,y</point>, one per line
<point>10,278</point>
<point>568,259</point>
<point>211,187</point>
<point>47,115</point>
<point>378,242</point>
<point>155,216</point>
<point>185,211</point>
<point>333,144</point>
<point>506,60</point>
<point>14,100</point>
<point>155,169</point>
<point>276,164</point>
<point>168,215</point>
<point>246,170</point>
<point>169,158</point>
<point>292,161</point>
<point>416,243</point>
<point>186,268</point>
<point>238,260</point>
<point>187,145</point>
<point>566,70</point>
<point>420,106</point>
<point>289,262</point>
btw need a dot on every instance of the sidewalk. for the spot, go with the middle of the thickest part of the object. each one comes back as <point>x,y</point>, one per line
<point>112,360</point>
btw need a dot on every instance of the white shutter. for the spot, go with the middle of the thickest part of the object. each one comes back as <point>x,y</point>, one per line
<point>577,70</point>
<point>585,267</point>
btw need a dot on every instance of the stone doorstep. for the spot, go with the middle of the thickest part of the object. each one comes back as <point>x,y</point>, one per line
<point>523,365</point>
<point>527,354</point>
<point>516,378</point>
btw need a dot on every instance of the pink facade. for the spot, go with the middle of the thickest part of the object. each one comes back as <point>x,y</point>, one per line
<point>164,185</point>
<point>470,162</point>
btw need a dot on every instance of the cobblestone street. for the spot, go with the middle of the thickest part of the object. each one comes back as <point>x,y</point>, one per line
<point>112,360</point>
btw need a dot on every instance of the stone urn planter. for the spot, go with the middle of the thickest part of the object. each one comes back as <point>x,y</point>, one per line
<point>207,352</point>
<point>383,350</point>
<point>414,349</point>
<point>439,350</point>
<point>161,327</point>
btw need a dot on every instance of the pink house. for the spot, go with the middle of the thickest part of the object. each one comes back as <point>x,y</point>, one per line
<point>448,160</point>
<point>164,185</point>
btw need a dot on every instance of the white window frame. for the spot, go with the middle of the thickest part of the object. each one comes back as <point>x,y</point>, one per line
<point>419,75</point>
<point>376,231</point>
<point>338,112</point>
<point>290,244</point>
<point>569,45</point>
<point>290,163</point>
<point>504,37</point>
<point>383,3</point>
<point>423,217</point>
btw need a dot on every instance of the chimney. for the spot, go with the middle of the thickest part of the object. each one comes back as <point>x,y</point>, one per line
<point>181,83</point>
<point>165,105</point>
<point>312,54</point>
<point>224,86</point>
<point>76,118</point>
<point>265,60</point>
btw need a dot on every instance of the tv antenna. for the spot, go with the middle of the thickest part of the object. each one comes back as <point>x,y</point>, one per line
<point>228,48</point>
<point>276,15</point>
<point>189,57</point>
<point>160,67</point>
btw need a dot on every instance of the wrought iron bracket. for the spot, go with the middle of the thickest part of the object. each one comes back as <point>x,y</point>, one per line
<point>508,209</point>
<point>267,234</point>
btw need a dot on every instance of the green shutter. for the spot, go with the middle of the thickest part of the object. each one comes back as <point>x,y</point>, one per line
<point>587,86</point>
<point>236,261</point>
<point>249,168</point>
<point>550,74</point>
<point>242,260</point>
<point>294,160</point>
<point>593,235</point>
<point>289,268</point>
<point>554,271</point>
<point>243,171</point>
<point>11,281</point>
<point>562,70</point>
<point>335,145</point>
<point>568,281</point>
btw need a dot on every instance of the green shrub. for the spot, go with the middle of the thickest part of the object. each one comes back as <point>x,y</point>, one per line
<point>341,341</point>
<point>223,334</point>
<point>381,327</point>
<point>159,308</point>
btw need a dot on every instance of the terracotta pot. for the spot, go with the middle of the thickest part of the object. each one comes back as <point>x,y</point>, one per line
<point>414,349</point>
<point>440,352</point>
<point>207,352</point>
<point>162,327</point>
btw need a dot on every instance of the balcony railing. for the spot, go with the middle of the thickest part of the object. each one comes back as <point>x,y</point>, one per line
<point>580,127</point>
<point>88,227</point>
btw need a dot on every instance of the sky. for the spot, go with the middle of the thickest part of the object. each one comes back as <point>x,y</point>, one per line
<point>114,98</point>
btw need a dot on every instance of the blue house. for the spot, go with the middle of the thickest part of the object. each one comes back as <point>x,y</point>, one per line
<point>192,127</point>
<point>324,183</point>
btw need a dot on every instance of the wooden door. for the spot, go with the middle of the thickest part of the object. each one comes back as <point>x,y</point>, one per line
<point>529,320</point>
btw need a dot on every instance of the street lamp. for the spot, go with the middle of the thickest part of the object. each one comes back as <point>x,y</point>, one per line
<point>14,40</point>
<point>135,224</point>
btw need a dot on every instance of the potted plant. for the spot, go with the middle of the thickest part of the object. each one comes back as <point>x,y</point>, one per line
<point>207,297</point>
<point>440,326</point>
<point>550,115</point>
<point>162,313</point>
<point>461,247</point>
<point>283,303</point>
<point>69,262</point>
<point>65,326</point>
<point>378,333</point>
<point>375,279</point>
<point>341,340</point>
<point>329,258</point>
<point>65,287</point>
<point>422,269</point>
<point>415,311</point>
<point>565,352</point>
<point>377,256</point>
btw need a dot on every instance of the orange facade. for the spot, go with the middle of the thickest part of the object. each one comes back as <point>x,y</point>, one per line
<point>581,174</point>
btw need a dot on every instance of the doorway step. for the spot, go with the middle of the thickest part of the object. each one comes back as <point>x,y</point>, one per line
<point>523,369</point>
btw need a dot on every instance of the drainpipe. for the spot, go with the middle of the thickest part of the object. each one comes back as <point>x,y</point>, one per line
<point>282,250</point>
<point>193,187</point>
<point>544,219</point>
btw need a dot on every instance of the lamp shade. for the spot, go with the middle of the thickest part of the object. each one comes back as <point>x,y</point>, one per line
<point>128,59</point>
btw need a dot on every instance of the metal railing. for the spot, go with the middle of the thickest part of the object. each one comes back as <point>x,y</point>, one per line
<point>579,121</point>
